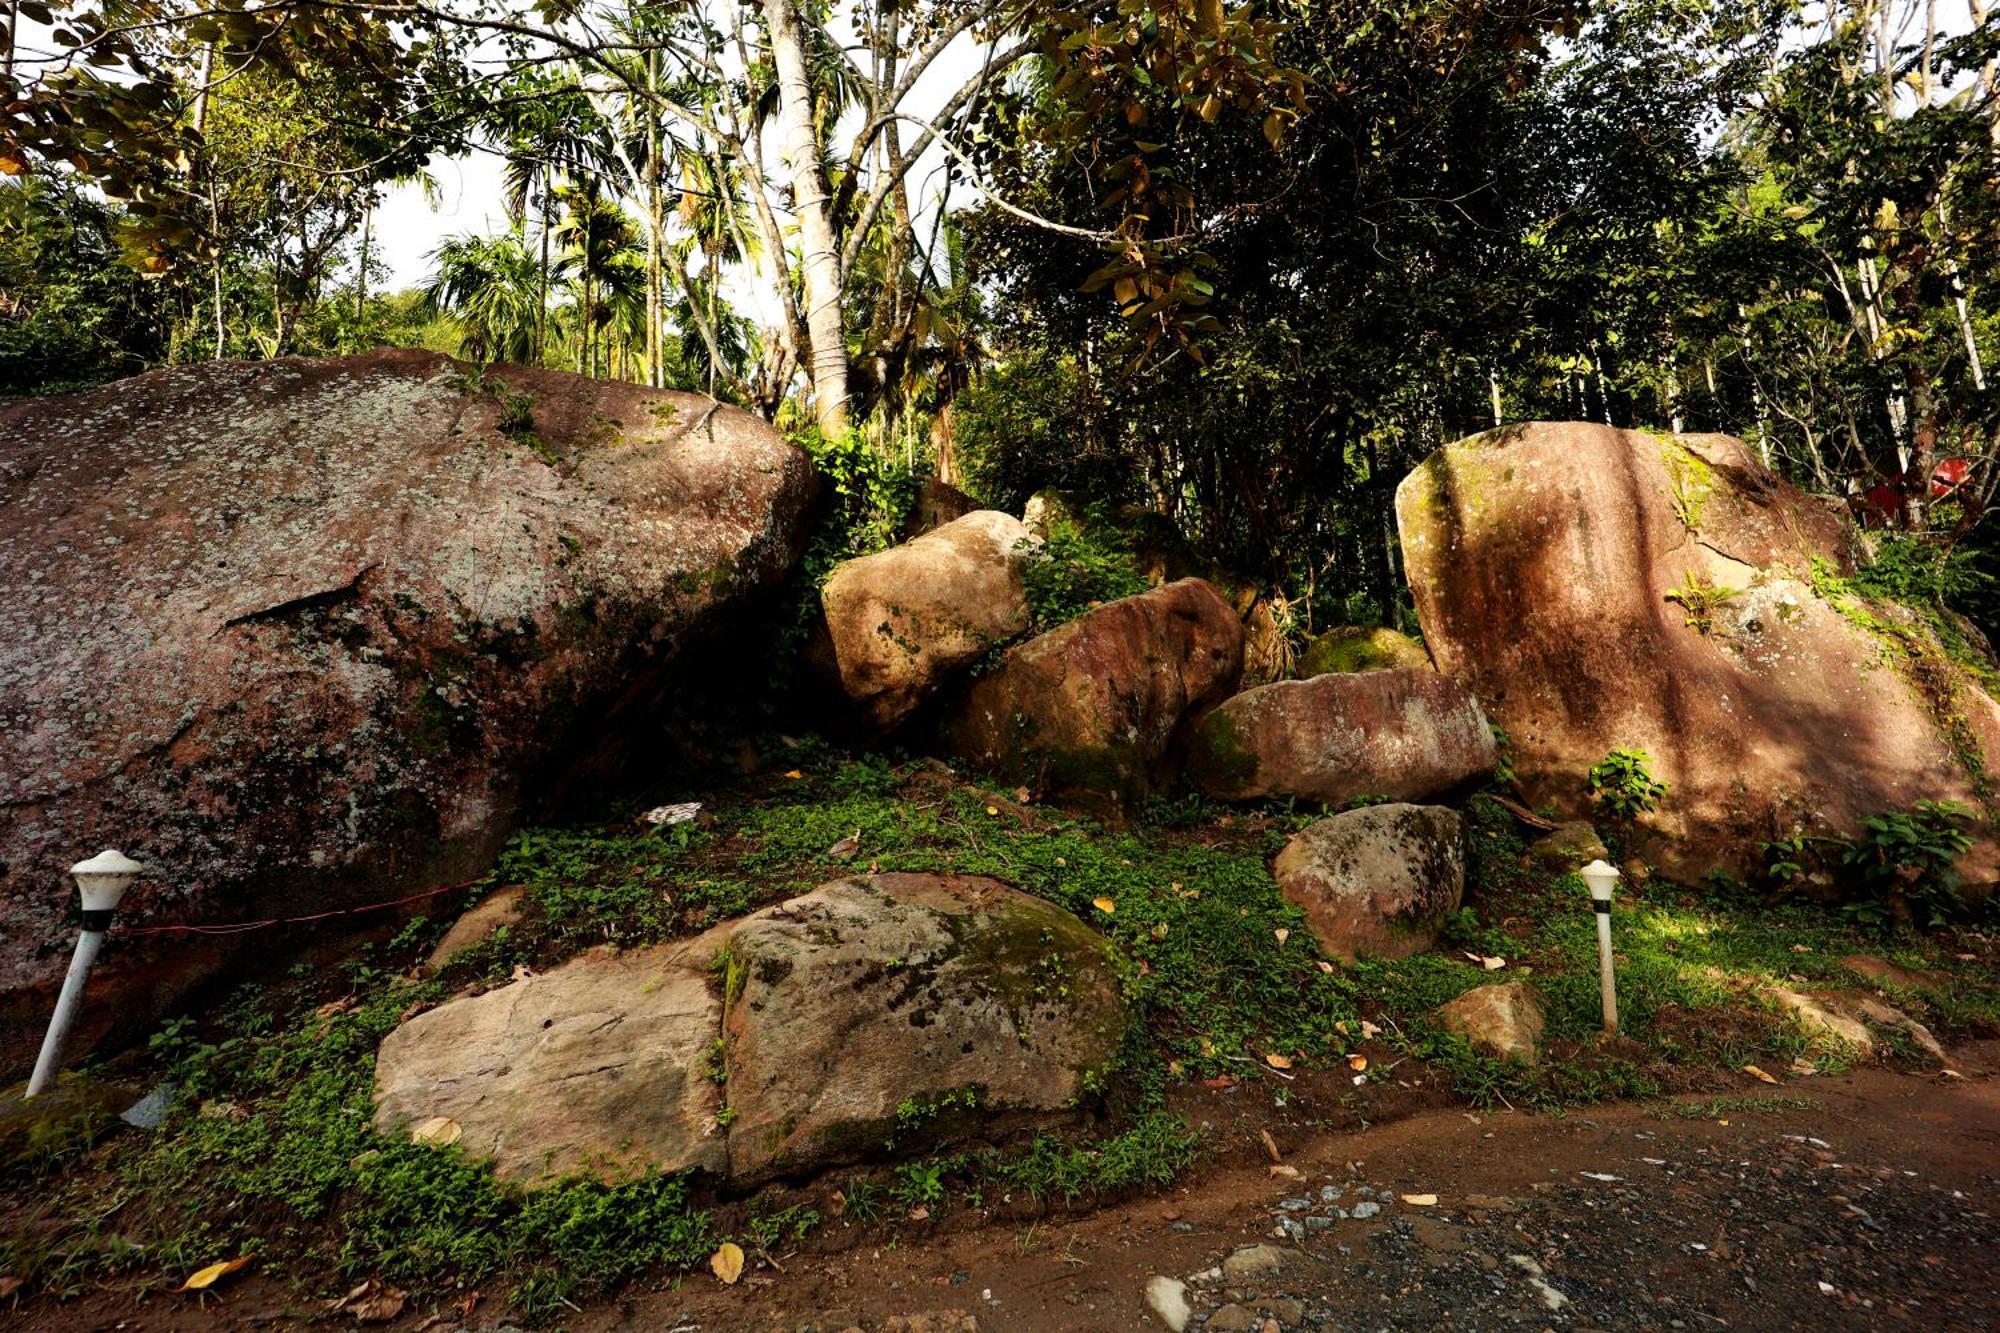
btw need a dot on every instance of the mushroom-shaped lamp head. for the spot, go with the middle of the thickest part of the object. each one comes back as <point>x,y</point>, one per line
<point>104,878</point>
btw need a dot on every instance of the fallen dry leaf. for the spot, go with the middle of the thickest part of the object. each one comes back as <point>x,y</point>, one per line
<point>1021,795</point>
<point>727,1262</point>
<point>845,849</point>
<point>1221,1082</point>
<point>440,1131</point>
<point>1282,934</point>
<point>1420,1200</point>
<point>1104,905</point>
<point>1270,1145</point>
<point>1357,1062</point>
<point>1492,964</point>
<point>1325,966</point>
<point>1284,1172</point>
<point>1277,1061</point>
<point>203,1279</point>
<point>794,774</point>
<point>1804,1066</point>
<point>385,1304</point>
<point>1369,1030</point>
<point>1949,1073</point>
<point>1756,1073</point>
<point>919,1213</point>
<point>8,1286</point>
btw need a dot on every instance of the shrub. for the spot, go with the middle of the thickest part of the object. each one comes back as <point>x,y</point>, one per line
<point>1622,784</point>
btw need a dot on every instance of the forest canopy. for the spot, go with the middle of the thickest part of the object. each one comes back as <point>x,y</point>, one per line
<point>1236,265</point>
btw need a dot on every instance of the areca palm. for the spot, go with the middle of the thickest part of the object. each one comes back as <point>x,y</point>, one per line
<point>491,286</point>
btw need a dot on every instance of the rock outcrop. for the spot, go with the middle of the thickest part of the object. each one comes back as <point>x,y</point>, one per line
<point>1503,1019</point>
<point>295,632</point>
<point>1094,712</point>
<point>1377,882</point>
<point>1598,588</point>
<point>877,1012</point>
<point>1407,733</point>
<point>899,623</point>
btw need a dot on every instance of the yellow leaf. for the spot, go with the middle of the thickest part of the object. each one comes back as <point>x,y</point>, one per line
<point>440,1131</point>
<point>1493,964</point>
<point>1282,934</point>
<point>1369,1030</point>
<point>1357,1062</point>
<point>992,809</point>
<point>727,1263</point>
<point>795,774</point>
<point>1325,966</point>
<point>1277,1061</point>
<point>1420,1200</point>
<point>1104,905</point>
<point>213,1274</point>
<point>1757,1073</point>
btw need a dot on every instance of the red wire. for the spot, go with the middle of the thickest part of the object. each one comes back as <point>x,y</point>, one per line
<point>239,927</point>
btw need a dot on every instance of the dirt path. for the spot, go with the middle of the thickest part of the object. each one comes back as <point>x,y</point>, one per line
<point>1734,1220</point>
<point>1876,1207</point>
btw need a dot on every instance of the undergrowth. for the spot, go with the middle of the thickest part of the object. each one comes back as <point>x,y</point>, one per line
<point>271,1153</point>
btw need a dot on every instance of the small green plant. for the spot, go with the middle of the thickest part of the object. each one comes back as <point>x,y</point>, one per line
<point>919,1184</point>
<point>1700,599</point>
<point>1907,864</point>
<point>1503,756</point>
<point>1622,784</point>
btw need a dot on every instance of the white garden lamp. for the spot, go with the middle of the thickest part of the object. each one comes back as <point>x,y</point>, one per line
<point>102,881</point>
<point>1603,877</point>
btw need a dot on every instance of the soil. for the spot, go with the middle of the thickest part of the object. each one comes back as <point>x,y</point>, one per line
<point>1870,1205</point>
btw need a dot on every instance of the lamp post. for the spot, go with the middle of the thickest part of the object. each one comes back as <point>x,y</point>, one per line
<point>102,881</point>
<point>1602,878</point>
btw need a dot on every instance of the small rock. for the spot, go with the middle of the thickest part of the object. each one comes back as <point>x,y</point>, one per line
<point>1503,1019</point>
<point>1551,1298</point>
<point>1232,1318</point>
<point>1363,1211</point>
<point>1253,1261</point>
<point>1329,1194</point>
<point>1571,845</point>
<point>1285,1310</point>
<point>1167,1297</point>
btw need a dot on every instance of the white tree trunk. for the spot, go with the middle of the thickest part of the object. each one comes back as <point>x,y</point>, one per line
<point>819,257</point>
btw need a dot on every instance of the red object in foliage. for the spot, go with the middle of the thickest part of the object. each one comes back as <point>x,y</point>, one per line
<point>1884,501</point>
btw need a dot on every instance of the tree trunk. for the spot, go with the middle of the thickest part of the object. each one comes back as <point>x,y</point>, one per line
<point>819,257</point>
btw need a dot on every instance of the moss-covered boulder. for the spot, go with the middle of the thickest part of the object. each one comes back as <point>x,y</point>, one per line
<point>1095,712</point>
<point>1601,589</point>
<point>906,1012</point>
<point>305,634</point>
<point>1408,733</point>
<point>1361,648</point>
<point>875,1015</point>
<point>1377,882</point>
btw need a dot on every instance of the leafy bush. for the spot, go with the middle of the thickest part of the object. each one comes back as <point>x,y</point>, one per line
<point>1074,571</point>
<point>1907,861</point>
<point>1622,784</point>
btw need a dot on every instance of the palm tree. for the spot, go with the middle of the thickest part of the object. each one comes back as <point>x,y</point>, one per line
<point>491,286</point>
<point>597,239</point>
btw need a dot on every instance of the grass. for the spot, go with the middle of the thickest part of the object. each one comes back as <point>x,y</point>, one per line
<point>271,1153</point>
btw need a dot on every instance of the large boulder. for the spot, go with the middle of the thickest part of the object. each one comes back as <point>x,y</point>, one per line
<point>296,633</point>
<point>897,624</point>
<point>877,1013</point>
<point>1407,733</point>
<point>1377,882</point>
<point>1093,712</point>
<point>909,1010</point>
<point>1599,588</point>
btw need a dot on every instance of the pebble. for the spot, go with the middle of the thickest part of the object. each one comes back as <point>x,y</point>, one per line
<point>1366,1210</point>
